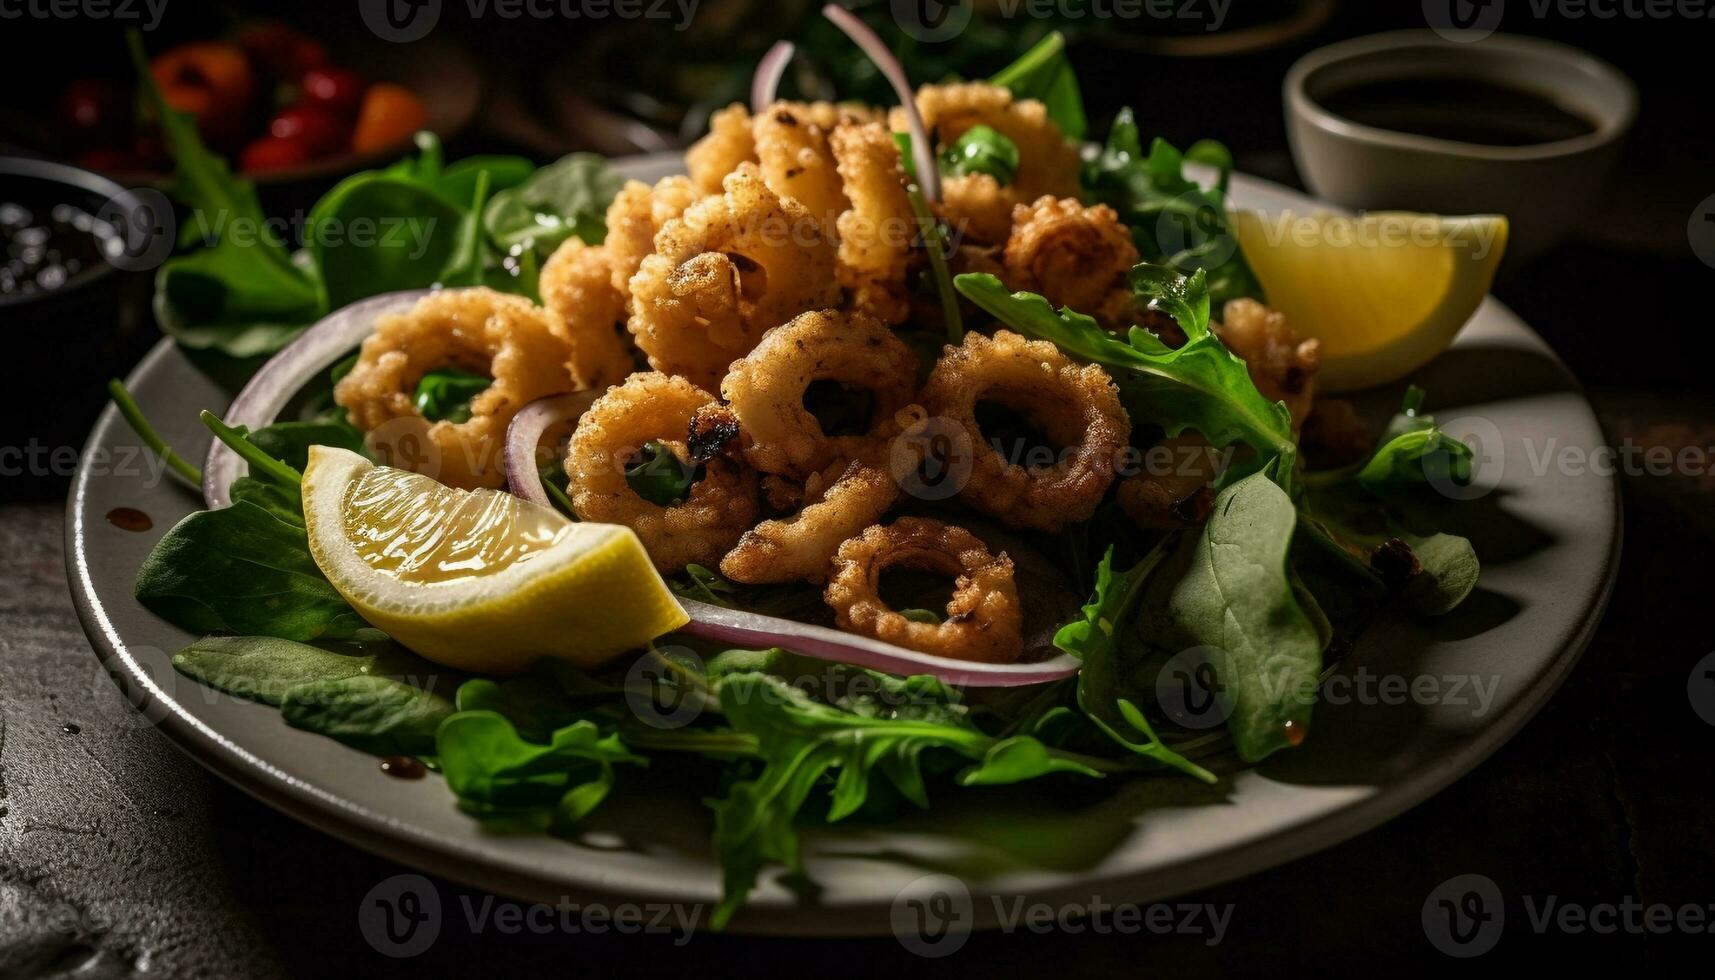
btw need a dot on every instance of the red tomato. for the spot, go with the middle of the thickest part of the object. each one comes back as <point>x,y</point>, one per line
<point>391,113</point>
<point>210,80</point>
<point>321,132</point>
<point>273,153</point>
<point>335,89</point>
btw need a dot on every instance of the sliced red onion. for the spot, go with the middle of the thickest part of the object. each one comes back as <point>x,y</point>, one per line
<point>285,374</point>
<point>524,435</point>
<point>928,177</point>
<point>749,629</point>
<point>769,71</point>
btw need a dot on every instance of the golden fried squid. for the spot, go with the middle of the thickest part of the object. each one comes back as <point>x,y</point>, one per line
<point>978,207</point>
<point>634,219</point>
<point>577,284</point>
<point>729,143</point>
<point>983,622</point>
<point>656,407</point>
<point>1075,256</point>
<point>724,273</point>
<point>521,346</point>
<point>1075,406</point>
<point>877,231</point>
<point>1280,364</point>
<point>838,503</point>
<point>766,388</point>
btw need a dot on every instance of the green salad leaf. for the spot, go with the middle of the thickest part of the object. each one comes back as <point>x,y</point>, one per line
<point>1200,385</point>
<point>243,570</point>
<point>1174,220</point>
<point>265,668</point>
<point>378,715</point>
<point>1094,640</point>
<point>563,199</point>
<point>1413,449</point>
<point>981,150</point>
<point>660,476</point>
<point>444,394</point>
<point>803,742</point>
<point>497,774</point>
<point>1045,73</point>
<point>1231,592</point>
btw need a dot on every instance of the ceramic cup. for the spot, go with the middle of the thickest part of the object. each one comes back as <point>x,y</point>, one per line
<point>1542,188</point>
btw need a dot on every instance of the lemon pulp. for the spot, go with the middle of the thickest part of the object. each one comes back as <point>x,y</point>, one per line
<point>419,531</point>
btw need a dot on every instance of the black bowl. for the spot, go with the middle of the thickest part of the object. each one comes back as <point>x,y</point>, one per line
<point>60,345</point>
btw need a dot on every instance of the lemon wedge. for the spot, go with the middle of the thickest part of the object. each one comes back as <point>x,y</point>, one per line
<point>479,580</point>
<point>1384,292</point>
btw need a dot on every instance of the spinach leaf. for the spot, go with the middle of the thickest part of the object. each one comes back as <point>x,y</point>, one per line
<point>265,668</point>
<point>803,741</point>
<point>1237,597</point>
<point>376,232</point>
<point>1433,571</point>
<point>566,198</point>
<point>981,150</point>
<point>379,715</point>
<point>290,442</point>
<point>661,477</point>
<point>445,394</point>
<point>496,774</point>
<point>1045,73</point>
<point>284,503</point>
<point>1093,639</point>
<point>243,570</point>
<point>1200,385</point>
<point>1174,220</point>
<point>549,696</point>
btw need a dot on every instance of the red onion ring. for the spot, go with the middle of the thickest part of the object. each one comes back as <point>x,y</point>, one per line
<point>928,177</point>
<point>524,434</point>
<point>711,622</point>
<point>769,71</point>
<point>285,374</point>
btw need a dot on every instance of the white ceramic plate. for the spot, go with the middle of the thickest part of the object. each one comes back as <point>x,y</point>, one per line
<point>1549,538</point>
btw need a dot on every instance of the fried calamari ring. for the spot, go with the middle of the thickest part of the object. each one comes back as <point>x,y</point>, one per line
<point>577,284</point>
<point>728,144</point>
<point>978,205</point>
<point>655,407</point>
<point>766,387</point>
<point>1075,406</point>
<point>793,151</point>
<point>634,219</point>
<point>508,338</point>
<point>1281,365</point>
<point>984,620</point>
<point>877,231</point>
<point>724,273</point>
<point>838,504</point>
<point>1075,256</point>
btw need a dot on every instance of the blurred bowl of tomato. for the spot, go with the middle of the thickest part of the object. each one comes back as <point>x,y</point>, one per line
<point>282,106</point>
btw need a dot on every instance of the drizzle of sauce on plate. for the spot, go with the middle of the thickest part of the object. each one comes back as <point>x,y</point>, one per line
<point>129,519</point>
<point>403,767</point>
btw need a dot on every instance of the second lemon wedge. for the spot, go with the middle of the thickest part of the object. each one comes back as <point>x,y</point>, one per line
<point>1384,292</point>
<point>479,580</point>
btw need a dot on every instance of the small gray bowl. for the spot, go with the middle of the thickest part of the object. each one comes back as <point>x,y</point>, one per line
<point>1542,188</point>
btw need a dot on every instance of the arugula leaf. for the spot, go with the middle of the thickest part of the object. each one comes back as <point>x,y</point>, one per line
<point>1236,596</point>
<point>496,774</point>
<point>1433,571</point>
<point>1093,641</point>
<point>661,477</point>
<point>378,715</point>
<point>243,570</point>
<point>981,150</point>
<point>929,228</point>
<point>1200,385</point>
<point>1045,73</point>
<point>445,394</point>
<point>1167,210</point>
<point>801,741</point>
<point>565,198</point>
<point>1414,450</point>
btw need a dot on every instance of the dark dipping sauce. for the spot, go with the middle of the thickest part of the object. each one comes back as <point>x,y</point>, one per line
<point>1459,109</point>
<point>45,248</point>
<point>129,519</point>
<point>403,767</point>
